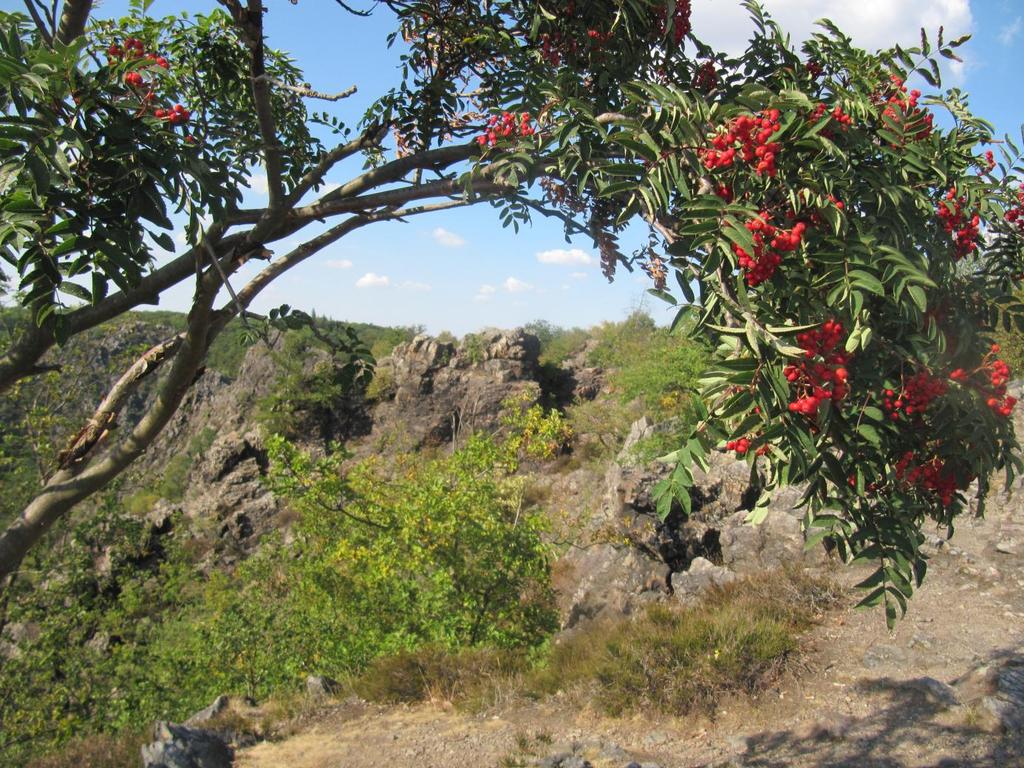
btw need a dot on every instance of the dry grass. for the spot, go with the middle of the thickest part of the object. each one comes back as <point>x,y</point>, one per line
<point>677,660</point>
<point>96,751</point>
<point>432,674</point>
<point>669,659</point>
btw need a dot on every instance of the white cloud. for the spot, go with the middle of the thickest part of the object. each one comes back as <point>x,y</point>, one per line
<point>578,275</point>
<point>258,183</point>
<point>339,263</point>
<point>448,239</point>
<point>484,294</point>
<point>724,24</point>
<point>373,280</point>
<point>412,285</point>
<point>515,285</point>
<point>574,256</point>
<point>1010,32</point>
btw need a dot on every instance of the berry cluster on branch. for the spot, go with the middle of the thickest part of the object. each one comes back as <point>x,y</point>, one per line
<point>822,376</point>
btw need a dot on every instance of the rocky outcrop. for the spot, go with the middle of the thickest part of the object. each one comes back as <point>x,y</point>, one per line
<point>181,746</point>
<point>438,391</point>
<point>646,559</point>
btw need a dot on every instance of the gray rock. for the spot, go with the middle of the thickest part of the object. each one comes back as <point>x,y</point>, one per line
<point>209,713</point>
<point>321,687</point>
<point>1007,547</point>
<point>466,386</point>
<point>179,746</point>
<point>701,576</point>
<point>998,691</point>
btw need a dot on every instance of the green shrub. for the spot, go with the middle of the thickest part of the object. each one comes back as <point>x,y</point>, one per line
<point>651,364</point>
<point>472,347</point>
<point>381,386</point>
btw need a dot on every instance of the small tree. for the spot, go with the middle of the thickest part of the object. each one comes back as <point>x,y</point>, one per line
<point>849,254</point>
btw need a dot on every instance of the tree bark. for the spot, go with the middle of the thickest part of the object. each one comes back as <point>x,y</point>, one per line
<point>73,483</point>
<point>72,20</point>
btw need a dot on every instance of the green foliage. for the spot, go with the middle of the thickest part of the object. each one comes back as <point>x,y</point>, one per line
<point>856,229</point>
<point>387,556</point>
<point>381,386</point>
<point>670,660</point>
<point>472,347</point>
<point>316,371</point>
<point>534,433</point>
<point>651,364</point>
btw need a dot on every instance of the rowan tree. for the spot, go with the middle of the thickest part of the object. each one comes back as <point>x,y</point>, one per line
<point>850,242</point>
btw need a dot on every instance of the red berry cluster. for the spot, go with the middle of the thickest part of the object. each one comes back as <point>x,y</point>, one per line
<point>506,126</point>
<point>769,243</point>
<point>134,49</point>
<point>844,120</point>
<point>741,446</point>
<point>176,115</point>
<point>964,231</point>
<point>753,136</point>
<point>994,375</point>
<point>705,79</point>
<point>819,380</point>
<point>990,161</point>
<point>1016,214</point>
<point>916,395</point>
<point>814,69</point>
<point>906,103</point>
<point>933,476</point>
<point>998,376</point>
<point>681,25</point>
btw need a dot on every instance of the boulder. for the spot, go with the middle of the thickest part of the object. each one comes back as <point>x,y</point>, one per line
<point>702,575</point>
<point>181,746</point>
<point>321,687</point>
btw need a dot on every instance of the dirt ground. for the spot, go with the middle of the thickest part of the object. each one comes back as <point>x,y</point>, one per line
<point>862,697</point>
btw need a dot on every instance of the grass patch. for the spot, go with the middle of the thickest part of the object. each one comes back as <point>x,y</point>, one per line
<point>677,660</point>
<point>96,751</point>
<point>433,674</point>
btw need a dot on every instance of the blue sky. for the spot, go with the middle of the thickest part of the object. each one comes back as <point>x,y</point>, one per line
<point>459,270</point>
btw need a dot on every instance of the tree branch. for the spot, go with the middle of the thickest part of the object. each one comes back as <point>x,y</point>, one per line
<point>72,20</point>
<point>308,92</point>
<point>44,32</point>
<point>252,29</point>
<point>397,169</point>
<point>254,287</point>
<point>105,417</point>
<point>369,138</point>
<point>20,359</point>
<point>70,485</point>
